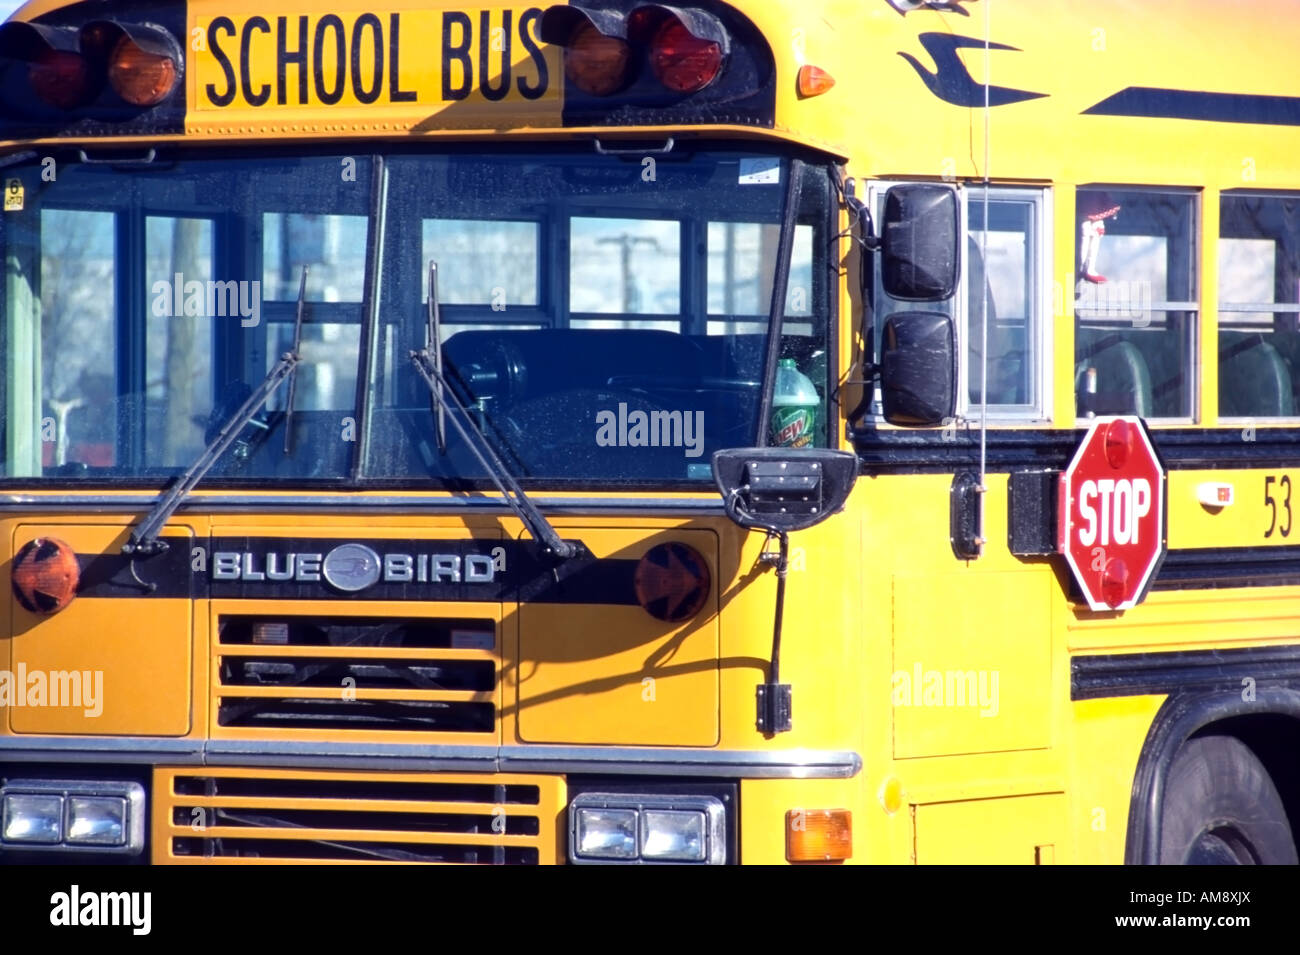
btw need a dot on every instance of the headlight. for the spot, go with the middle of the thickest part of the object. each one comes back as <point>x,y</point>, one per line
<point>33,818</point>
<point>97,820</point>
<point>606,833</point>
<point>673,835</point>
<point>72,815</point>
<point>647,828</point>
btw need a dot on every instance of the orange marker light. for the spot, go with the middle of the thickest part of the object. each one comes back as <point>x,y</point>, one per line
<point>140,77</point>
<point>818,835</point>
<point>814,81</point>
<point>596,63</point>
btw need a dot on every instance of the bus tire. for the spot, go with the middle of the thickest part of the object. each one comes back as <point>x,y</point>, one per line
<point>1221,808</point>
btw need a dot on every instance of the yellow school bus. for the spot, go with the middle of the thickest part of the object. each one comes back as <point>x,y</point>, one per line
<point>617,432</point>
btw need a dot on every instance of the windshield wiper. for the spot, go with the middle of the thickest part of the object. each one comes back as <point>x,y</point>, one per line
<point>432,336</point>
<point>430,369</point>
<point>297,350</point>
<point>144,538</point>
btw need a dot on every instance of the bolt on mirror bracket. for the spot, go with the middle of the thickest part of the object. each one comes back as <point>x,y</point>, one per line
<point>779,490</point>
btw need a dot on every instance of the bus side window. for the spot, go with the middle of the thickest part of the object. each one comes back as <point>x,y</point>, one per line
<point>1135,308</point>
<point>1004,260</point>
<point>1259,305</point>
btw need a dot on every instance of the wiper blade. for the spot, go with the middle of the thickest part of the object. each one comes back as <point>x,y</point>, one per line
<point>519,502</point>
<point>144,538</point>
<point>432,347</point>
<point>293,375</point>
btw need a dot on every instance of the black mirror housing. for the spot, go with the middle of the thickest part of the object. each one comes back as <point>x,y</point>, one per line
<point>783,489</point>
<point>922,254</point>
<point>918,368</point>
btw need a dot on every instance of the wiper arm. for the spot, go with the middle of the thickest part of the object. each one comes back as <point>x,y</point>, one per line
<point>432,347</point>
<point>144,539</point>
<point>297,350</point>
<point>519,502</point>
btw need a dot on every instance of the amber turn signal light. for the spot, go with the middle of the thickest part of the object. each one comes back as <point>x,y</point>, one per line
<point>818,835</point>
<point>140,77</point>
<point>814,81</point>
<point>45,575</point>
<point>672,582</point>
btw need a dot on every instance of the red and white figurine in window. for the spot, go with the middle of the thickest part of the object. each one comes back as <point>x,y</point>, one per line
<point>1094,208</point>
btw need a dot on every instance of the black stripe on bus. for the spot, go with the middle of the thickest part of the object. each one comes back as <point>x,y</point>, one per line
<point>1152,674</point>
<point>1213,567</point>
<point>1155,102</point>
<point>931,451</point>
<point>185,569</point>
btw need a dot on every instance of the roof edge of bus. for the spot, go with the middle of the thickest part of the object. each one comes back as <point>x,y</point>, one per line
<point>273,134</point>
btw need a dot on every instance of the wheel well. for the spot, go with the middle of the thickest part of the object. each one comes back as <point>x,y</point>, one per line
<point>1275,741</point>
<point>1268,722</point>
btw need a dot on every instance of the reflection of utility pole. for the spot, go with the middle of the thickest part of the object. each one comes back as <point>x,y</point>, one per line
<point>61,411</point>
<point>626,241</point>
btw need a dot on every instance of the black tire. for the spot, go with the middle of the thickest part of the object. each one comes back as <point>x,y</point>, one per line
<point>1221,808</point>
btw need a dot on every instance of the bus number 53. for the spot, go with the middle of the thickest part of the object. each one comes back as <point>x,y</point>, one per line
<point>1284,483</point>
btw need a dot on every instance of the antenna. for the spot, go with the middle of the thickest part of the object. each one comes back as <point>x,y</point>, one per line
<point>980,539</point>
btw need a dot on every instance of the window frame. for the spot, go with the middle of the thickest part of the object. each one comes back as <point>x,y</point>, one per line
<point>1192,309</point>
<point>1220,306</point>
<point>1039,301</point>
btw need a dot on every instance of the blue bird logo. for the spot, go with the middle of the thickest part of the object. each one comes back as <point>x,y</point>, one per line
<point>952,82</point>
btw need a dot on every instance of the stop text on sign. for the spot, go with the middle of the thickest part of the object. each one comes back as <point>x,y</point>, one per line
<point>1113,510</point>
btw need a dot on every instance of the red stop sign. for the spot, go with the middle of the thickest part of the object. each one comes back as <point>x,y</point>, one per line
<point>1111,515</point>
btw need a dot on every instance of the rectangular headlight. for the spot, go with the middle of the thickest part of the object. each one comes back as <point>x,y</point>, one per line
<point>647,828</point>
<point>671,835</point>
<point>95,815</point>
<point>96,820</point>
<point>32,818</point>
<point>605,833</point>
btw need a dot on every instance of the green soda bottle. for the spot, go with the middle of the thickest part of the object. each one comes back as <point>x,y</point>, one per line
<point>794,408</point>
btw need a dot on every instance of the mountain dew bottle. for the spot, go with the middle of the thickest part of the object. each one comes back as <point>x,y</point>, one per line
<point>794,408</point>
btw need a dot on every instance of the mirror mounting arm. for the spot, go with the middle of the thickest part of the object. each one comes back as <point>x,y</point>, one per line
<point>779,490</point>
<point>774,698</point>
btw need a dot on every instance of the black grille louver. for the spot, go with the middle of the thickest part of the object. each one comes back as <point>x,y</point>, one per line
<point>357,673</point>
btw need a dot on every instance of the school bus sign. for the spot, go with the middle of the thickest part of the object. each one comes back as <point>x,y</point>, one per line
<point>1111,519</point>
<point>250,64</point>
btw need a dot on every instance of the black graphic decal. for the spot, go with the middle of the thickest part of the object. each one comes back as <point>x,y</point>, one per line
<point>953,82</point>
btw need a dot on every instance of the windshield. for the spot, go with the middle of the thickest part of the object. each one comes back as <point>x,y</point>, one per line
<point>603,318</point>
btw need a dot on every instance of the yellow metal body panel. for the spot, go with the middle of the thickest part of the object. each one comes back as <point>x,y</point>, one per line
<point>989,832</point>
<point>131,660</point>
<point>648,682</point>
<point>975,690</point>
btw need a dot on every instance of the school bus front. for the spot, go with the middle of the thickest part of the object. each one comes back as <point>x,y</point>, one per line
<point>363,376</point>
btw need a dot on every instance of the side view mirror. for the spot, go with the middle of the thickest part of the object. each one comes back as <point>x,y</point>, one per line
<point>922,255</point>
<point>780,489</point>
<point>918,368</point>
